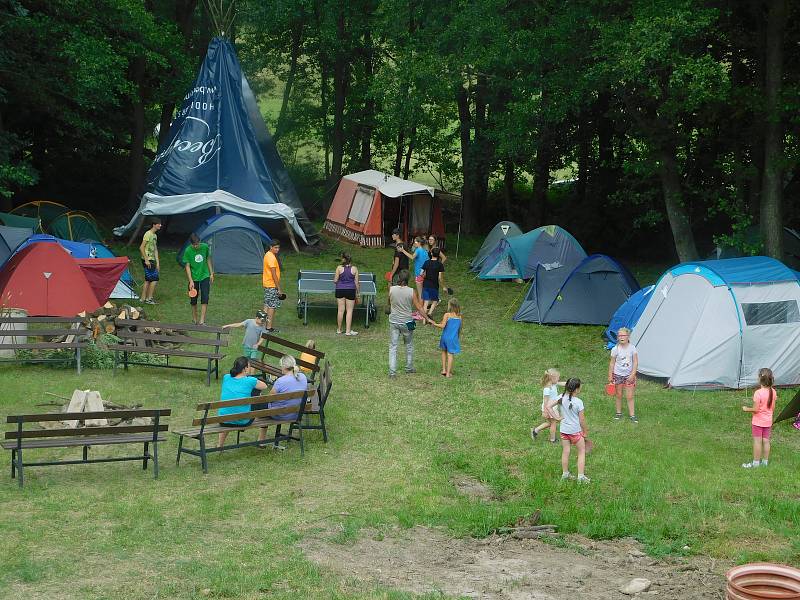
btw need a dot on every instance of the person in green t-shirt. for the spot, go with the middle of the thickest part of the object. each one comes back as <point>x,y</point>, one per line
<point>200,271</point>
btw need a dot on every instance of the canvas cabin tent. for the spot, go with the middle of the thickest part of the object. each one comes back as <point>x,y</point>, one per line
<point>586,295</point>
<point>518,257</point>
<point>219,156</point>
<point>715,323</point>
<point>44,280</point>
<point>10,239</point>
<point>627,315</point>
<point>370,204</point>
<point>236,244</point>
<point>503,230</point>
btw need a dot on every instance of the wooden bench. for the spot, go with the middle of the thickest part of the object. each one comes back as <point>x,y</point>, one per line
<point>85,437</point>
<point>135,338</point>
<point>72,331</point>
<point>211,423</point>
<point>273,371</point>
<point>316,407</point>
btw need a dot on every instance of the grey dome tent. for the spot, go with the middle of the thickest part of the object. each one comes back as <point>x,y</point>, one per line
<point>503,230</point>
<point>586,295</point>
<point>10,239</point>
<point>236,244</point>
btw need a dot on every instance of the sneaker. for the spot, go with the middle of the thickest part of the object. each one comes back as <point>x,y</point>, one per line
<point>554,441</point>
<point>617,416</point>
<point>392,375</point>
<point>272,330</point>
<point>534,433</point>
<point>751,465</point>
<point>634,419</point>
<point>567,475</point>
<point>764,462</point>
<point>148,301</point>
<point>351,333</point>
<point>584,479</point>
<point>411,370</point>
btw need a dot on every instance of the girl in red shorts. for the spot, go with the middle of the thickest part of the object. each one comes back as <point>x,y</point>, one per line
<point>573,428</point>
<point>763,405</point>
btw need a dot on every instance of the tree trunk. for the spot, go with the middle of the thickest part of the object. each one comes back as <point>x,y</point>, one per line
<point>324,105</point>
<point>584,136</point>
<point>508,187</point>
<point>411,140</point>
<point>136,156</point>
<point>541,179</point>
<point>398,153</point>
<point>283,117</point>
<point>605,151</point>
<point>673,199</point>
<point>368,114</point>
<point>340,73</point>
<point>465,137</point>
<point>772,188</point>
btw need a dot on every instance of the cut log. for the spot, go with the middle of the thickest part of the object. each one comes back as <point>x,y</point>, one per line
<point>109,328</point>
<point>94,403</point>
<point>101,317</point>
<point>76,404</point>
<point>109,305</point>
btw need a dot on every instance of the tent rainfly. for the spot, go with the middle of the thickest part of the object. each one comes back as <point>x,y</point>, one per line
<point>503,230</point>
<point>715,323</point>
<point>219,154</point>
<point>10,239</point>
<point>585,295</point>
<point>44,211</point>
<point>518,257</point>
<point>627,315</point>
<point>11,220</point>
<point>76,226</point>
<point>368,205</point>
<point>236,244</point>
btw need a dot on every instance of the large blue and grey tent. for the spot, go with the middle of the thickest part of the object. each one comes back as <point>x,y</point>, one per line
<point>627,315</point>
<point>587,294</point>
<point>518,257</point>
<point>219,155</point>
<point>503,230</point>
<point>236,244</point>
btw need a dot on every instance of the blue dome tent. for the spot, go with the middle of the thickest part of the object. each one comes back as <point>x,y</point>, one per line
<point>236,244</point>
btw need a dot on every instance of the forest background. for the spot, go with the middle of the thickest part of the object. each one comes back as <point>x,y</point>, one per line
<point>669,124</point>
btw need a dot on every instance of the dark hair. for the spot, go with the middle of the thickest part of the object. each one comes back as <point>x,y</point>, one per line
<point>193,239</point>
<point>346,258</point>
<point>402,277</point>
<point>396,231</point>
<point>767,379</point>
<point>573,383</point>
<point>274,243</point>
<point>260,314</point>
<point>239,365</point>
<point>435,252</point>
<point>154,221</point>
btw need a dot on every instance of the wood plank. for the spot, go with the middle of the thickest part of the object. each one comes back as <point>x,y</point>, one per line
<point>278,354</point>
<point>162,325</point>
<point>162,337</point>
<point>76,405</point>
<point>82,416</point>
<point>216,428</point>
<point>48,433</point>
<point>255,399</point>
<point>94,403</point>
<point>42,332</point>
<point>164,352</point>
<point>262,366</point>
<point>253,414</point>
<point>87,441</point>
<point>40,320</point>
<point>294,345</point>
<point>45,346</point>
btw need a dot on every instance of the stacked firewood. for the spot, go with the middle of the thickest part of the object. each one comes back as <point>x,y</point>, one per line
<point>103,320</point>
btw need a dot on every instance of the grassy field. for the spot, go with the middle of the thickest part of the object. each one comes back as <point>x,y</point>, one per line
<point>111,531</point>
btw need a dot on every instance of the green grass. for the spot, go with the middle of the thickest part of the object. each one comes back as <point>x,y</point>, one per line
<point>110,531</point>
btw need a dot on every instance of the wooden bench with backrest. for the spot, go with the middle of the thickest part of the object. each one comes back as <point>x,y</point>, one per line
<point>211,423</point>
<point>273,371</point>
<point>316,408</point>
<point>55,333</point>
<point>24,438</point>
<point>134,336</point>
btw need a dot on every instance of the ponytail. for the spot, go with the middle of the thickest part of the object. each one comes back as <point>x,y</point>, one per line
<point>573,383</point>
<point>767,379</point>
<point>239,366</point>
<point>288,363</point>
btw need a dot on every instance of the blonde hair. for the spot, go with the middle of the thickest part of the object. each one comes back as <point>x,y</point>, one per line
<point>624,330</point>
<point>454,306</point>
<point>288,363</point>
<point>311,344</point>
<point>550,374</point>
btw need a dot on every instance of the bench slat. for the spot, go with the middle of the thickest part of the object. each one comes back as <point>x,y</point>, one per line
<point>278,354</point>
<point>87,441</point>
<point>157,337</point>
<point>51,433</point>
<point>164,352</point>
<point>294,345</point>
<point>255,399</point>
<point>162,325</point>
<point>41,332</point>
<point>262,366</point>
<point>44,346</point>
<point>82,416</point>
<point>216,428</point>
<point>41,320</point>
<point>253,414</point>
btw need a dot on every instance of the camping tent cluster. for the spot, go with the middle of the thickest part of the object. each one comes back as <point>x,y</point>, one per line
<point>55,219</point>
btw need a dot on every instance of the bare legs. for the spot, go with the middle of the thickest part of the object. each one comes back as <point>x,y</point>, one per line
<point>148,290</point>
<point>761,447</point>
<point>344,309</point>
<point>629,391</point>
<point>340,308</point>
<point>565,450</point>
<point>552,424</point>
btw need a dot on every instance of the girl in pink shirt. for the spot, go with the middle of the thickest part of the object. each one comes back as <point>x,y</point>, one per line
<point>763,405</point>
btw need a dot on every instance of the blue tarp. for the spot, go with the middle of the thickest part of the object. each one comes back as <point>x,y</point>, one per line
<point>627,315</point>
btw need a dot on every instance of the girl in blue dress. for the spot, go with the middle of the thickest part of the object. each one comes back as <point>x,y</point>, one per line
<point>451,335</point>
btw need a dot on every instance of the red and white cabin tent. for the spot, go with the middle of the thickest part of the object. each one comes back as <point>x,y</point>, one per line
<point>370,204</point>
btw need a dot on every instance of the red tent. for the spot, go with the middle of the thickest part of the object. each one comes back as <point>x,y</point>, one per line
<point>370,204</point>
<point>46,281</point>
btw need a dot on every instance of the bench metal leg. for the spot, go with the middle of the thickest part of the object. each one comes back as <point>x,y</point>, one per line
<point>125,358</point>
<point>203,456</point>
<point>180,447</point>
<point>146,456</point>
<point>155,460</point>
<point>305,309</point>
<point>78,360</point>
<point>322,424</point>
<point>208,373</point>
<point>85,453</point>
<point>302,445</point>
<point>13,463</point>
<point>19,466</point>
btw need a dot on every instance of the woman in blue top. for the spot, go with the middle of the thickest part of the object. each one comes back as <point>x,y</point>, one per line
<point>347,291</point>
<point>239,383</point>
<point>420,256</point>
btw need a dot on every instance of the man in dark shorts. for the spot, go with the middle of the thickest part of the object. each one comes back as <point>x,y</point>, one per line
<point>432,278</point>
<point>200,271</point>
<point>150,261</point>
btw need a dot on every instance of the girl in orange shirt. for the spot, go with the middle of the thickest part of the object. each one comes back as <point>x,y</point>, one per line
<point>763,405</point>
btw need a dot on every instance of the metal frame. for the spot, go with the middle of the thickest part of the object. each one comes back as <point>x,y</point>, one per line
<point>125,362</point>
<point>367,298</point>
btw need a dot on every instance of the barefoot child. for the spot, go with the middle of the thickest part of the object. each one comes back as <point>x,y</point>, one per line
<point>253,328</point>
<point>451,335</point>
<point>550,381</point>
<point>573,428</point>
<point>622,369</point>
<point>763,405</point>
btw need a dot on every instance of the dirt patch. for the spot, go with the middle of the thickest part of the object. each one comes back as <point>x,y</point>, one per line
<point>472,488</point>
<point>425,560</point>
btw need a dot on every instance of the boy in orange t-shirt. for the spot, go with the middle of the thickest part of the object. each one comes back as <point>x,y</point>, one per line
<point>271,279</point>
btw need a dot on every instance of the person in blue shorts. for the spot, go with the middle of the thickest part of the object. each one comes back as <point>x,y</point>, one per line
<point>432,279</point>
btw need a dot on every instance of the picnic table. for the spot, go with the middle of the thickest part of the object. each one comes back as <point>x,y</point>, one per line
<point>321,282</point>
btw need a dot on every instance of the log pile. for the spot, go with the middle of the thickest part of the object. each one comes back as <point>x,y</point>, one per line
<point>528,528</point>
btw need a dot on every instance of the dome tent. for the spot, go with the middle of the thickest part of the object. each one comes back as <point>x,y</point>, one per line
<point>236,244</point>
<point>503,230</point>
<point>76,226</point>
<point>10,239</point>
<point>586,295</point>
<point>10,220</point>
<point>43,211</point>
<point>715,323</point>
<point>627,315</point>
<point>518,257</point>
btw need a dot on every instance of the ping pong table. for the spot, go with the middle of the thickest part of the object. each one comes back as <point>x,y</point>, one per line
<point>321,282</point>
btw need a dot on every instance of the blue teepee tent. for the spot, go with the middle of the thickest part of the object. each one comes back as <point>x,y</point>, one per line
<point>219,154</point>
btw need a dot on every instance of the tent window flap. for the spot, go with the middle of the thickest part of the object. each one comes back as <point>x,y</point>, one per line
<point>771,313</point>
<point>362,204</point>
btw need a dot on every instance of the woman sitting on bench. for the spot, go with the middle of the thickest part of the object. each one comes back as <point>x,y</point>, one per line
<point>292,380</point>
<point>240,383</point>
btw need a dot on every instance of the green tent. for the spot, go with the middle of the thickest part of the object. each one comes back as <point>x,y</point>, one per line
<point>43,210</point>
<point>10,220</point>
<point>76,226</point>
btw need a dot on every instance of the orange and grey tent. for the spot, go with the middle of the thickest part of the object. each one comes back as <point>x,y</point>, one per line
<point>370,204</point>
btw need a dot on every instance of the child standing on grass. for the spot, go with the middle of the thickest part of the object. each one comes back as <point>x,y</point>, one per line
<point>451,335</point>
<point>622,372</point>
<point>550,381</point>
<point>761,424</point>
<point>573,428</point>
<point>253,328</point>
